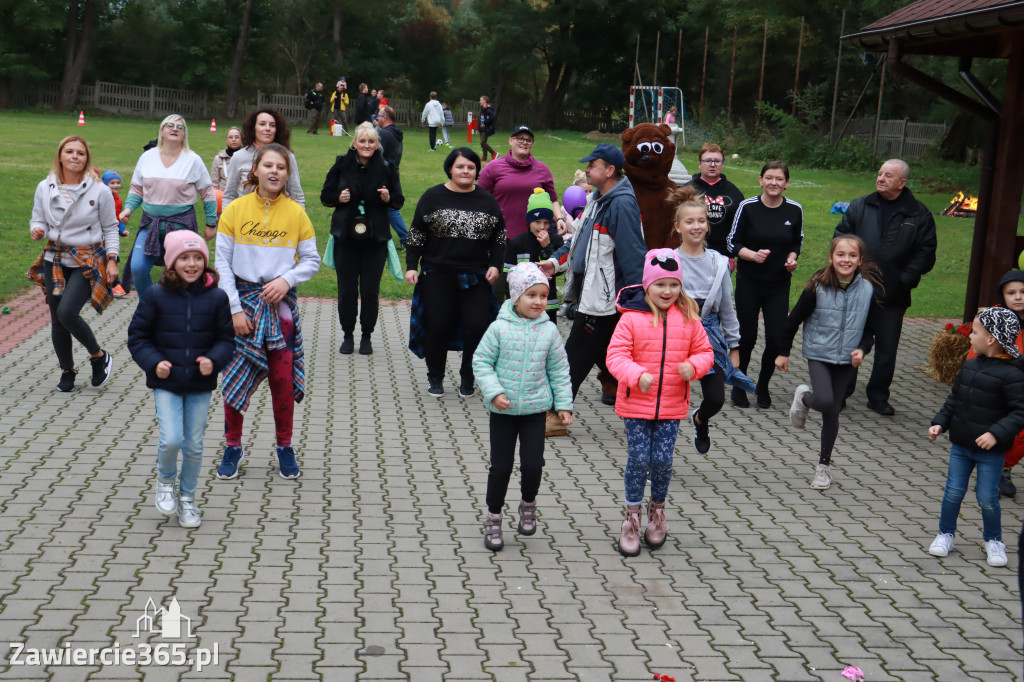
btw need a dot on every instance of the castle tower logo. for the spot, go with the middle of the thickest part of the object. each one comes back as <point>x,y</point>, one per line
<point>172,624</point>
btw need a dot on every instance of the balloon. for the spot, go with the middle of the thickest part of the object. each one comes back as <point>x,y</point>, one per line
<point>574,198</point>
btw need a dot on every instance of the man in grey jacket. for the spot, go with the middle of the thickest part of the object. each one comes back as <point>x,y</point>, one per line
<point>606,253</point>
<point>899,232</point>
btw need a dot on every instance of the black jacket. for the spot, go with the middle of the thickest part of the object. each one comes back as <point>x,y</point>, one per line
<point>488,120</point>
<point>391,144</point>
<point>988,396</point>
<point>904,249</point>
<point>363,182</point>
<point>179,326</point>
<point>315,100</point>
<point>362,107</point>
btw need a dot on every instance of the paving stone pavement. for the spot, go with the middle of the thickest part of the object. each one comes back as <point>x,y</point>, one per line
<point>372,566</point>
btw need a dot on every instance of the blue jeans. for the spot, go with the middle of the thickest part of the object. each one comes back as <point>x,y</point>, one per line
<point>962,461</point>
<point>182,419</point>
<point>398,224</point>
<point>142,264</point>
<point>651,443</point>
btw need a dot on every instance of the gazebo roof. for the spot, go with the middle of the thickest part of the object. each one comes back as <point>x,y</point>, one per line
<point>977,28</point>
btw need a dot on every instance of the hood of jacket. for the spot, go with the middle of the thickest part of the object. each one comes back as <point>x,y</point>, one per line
<point>623,186</point>
<point>393,129</point>
<point>508,313</point>
<point>516,163</point>
<point>632,299</point>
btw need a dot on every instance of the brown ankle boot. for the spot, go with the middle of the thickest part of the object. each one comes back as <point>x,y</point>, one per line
<point>629,540</point>
<point>657,528</point>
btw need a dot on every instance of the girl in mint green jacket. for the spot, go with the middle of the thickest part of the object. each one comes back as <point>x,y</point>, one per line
<point>521,368</point>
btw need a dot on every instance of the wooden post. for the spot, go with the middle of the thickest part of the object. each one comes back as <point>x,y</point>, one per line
<point>796,78</point>
<point>636,61</point>
<point>152,99</point>
<point>657,48</point>
<point>760,86</point>
<point>679,54</point>
<point>835,93</point>
<point>703,77</point>
<point>878,115</point>
<point>732,72</point>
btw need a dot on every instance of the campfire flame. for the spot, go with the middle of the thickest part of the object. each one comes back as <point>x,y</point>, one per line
<point>961,206</point>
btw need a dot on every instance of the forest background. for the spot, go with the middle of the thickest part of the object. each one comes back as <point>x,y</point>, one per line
<point>547,53</point>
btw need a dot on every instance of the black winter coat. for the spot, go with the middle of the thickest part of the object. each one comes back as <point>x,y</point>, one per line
<point>988,396</point>
<point>904,250</point>
<point>180,326</point>
<point>363,182</point>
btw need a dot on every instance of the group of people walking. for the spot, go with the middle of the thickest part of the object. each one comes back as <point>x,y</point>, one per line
<point>653,321</point>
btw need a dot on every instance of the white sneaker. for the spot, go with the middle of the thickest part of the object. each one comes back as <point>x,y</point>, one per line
<point>822,477</point>
<point>166,503</point>
<point>996,553</point>
<point>798,411</point>
<point>941,545</point>
<point>188,512</point>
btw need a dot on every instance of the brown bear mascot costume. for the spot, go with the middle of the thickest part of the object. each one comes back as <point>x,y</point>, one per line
<point>649,152</point>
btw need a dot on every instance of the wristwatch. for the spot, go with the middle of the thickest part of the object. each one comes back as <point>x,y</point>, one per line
<point>114,257</point>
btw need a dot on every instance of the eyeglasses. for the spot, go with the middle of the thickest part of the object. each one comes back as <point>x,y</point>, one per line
<point>174,126</point>
<point>712,162</point>
<point>524,140</point>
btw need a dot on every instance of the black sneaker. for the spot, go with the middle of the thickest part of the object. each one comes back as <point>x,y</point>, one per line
<point>739,397</point>
<point>701,437</point>
<point>67,381</point>
<point>348,344</point>
<point>466,388</point>
<point>1006,486</point>
<point>434,387</point>
<point>101,368</point>
<point>365,345</point>
<point>607,400</point>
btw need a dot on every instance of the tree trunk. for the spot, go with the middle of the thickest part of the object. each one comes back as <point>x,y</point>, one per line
<point>559,75</point>
<point>336,34</point>
<point>235,78</point>
<point>76,55</point>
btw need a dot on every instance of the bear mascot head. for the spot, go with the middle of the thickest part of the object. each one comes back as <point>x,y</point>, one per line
<point>649,153</point>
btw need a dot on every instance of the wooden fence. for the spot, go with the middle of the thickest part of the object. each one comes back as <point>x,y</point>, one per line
<point>898,137</point>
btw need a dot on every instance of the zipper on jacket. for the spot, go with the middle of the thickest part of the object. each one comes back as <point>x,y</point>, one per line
<point>188,325</point>
<point>661,367</point>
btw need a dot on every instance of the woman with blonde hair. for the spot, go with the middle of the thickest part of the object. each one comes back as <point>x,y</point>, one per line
<point>167,182</point>
<point>74,211</point>
<point>360,187</point>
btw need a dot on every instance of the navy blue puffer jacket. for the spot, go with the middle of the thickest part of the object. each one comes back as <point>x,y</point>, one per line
<point>988,396</point>
<point>180,326</point>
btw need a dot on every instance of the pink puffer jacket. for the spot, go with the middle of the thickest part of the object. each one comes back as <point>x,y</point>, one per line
<point>637,346</point>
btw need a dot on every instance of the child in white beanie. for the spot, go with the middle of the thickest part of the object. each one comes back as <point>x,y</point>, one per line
<point>521,368</point>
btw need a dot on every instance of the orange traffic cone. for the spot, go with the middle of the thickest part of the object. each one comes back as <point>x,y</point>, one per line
<point>81,118</point>
<point>213,125</point>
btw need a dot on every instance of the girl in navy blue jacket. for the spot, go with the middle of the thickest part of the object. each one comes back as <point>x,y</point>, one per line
<point>181,336</point>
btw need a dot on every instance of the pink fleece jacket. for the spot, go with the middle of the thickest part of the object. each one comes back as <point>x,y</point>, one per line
<point>637,346</point>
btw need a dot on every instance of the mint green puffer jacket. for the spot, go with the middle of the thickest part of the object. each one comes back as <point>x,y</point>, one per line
<point>525,360</point>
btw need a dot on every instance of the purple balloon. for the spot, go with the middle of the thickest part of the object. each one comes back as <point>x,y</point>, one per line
<point>574,198</point>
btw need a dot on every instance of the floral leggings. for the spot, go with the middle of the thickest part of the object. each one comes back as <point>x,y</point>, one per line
<point>651,443</point>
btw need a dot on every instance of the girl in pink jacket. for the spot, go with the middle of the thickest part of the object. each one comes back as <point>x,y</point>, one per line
<point>658,347</point>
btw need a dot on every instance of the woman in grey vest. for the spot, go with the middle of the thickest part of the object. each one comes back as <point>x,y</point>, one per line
<point>834,309</point>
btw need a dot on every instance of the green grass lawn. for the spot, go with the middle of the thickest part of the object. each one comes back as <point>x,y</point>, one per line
<point>30,139</point>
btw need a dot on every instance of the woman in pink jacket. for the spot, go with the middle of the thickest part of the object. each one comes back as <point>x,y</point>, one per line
<point>658,347</point>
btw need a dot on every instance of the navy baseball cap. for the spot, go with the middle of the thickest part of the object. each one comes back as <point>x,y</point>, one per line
<point>608,153</point>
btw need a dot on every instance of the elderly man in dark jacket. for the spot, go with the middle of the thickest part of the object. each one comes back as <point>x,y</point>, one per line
<point>899,232</point>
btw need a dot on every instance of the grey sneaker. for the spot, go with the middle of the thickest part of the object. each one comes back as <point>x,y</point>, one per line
<point>798,411</point>
<point>822,477</point>
<point>188,512</point>
<point>165,500</point>
<point>492,532</point>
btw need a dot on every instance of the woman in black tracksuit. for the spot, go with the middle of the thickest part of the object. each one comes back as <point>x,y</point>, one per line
<point>360,187</point>
<point>766,237</point>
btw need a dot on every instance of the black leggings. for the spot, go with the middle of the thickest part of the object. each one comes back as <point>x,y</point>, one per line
<point>360,266</point>
<point>65,314</point>
<point>773,301</point>
<point>712,386</point>
<point>443,301</point>
<point>587,346</point>
<point>828,383</point>
<point>505,429</point>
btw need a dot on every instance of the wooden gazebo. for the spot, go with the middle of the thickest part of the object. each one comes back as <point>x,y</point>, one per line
<point>968,29</point>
